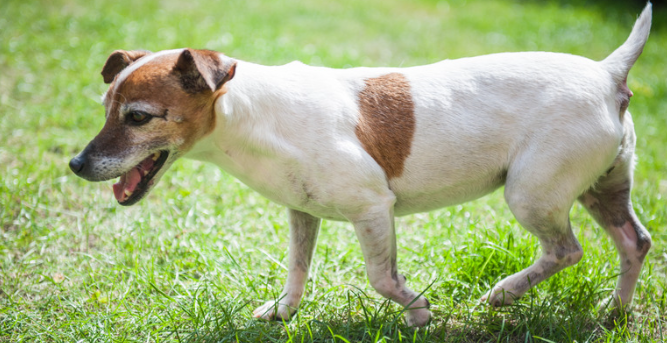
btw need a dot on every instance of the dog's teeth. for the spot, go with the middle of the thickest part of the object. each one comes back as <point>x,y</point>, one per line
<point>127,193</point>
<point>155,156</point>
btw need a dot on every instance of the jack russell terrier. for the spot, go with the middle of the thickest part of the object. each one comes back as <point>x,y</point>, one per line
<point>366,144</point>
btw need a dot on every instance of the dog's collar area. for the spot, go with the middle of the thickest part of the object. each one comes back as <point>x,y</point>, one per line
<point>134,184</point>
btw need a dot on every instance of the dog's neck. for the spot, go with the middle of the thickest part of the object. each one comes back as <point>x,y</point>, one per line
<point>246,94</point>
<point>248,116</point>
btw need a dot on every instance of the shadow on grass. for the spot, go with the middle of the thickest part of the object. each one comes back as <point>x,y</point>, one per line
<point>365,319</point>
<point>506,327</point>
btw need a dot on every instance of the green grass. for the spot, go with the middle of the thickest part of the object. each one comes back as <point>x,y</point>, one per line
<point>190,262</point>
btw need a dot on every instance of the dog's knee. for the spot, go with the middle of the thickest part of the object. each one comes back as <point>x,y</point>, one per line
<point>571,257</point>
<point>644,243</point>
<point>634,240</point>
<point>562,251</point>
<point>577,255</point>
<point>569,253</point>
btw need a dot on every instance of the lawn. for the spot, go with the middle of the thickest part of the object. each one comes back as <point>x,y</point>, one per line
<point>191,261</point>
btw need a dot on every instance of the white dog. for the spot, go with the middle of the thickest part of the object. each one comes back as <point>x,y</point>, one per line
<point>367,144</point>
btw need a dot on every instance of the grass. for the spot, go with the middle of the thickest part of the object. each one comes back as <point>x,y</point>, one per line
<point>190,262</point>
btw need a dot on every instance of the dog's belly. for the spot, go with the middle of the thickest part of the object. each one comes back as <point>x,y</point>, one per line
<point>424,200</point>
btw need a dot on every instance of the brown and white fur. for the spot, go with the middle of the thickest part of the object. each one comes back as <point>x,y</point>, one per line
<point>367,144</point>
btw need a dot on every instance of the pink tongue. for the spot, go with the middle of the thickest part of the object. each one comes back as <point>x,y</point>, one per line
<point>130,180</point>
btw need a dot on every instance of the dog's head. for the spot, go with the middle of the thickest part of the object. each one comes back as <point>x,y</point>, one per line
<point>157,106</point>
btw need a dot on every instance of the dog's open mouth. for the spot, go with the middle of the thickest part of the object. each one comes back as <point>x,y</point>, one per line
<point>133,185</point>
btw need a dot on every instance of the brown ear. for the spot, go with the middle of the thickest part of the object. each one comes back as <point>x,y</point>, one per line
<point>118,61</point>
<point>201,70</point>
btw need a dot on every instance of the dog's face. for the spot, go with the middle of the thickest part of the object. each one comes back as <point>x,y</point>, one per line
<point>157,106</point>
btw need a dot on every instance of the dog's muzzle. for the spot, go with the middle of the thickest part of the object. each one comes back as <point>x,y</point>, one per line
<point>90,165</point>
<point>135,181</point>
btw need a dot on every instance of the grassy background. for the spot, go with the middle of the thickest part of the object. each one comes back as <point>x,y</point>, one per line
<point>190,262</point>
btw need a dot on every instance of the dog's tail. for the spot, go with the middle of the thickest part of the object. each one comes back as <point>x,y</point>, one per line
<point>620,61</point>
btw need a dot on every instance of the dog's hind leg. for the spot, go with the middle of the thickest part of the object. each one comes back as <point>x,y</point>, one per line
<point>609,203</point>
<point>560,249</point>
<point>540,198</point>
<point>303,237</point>
<point>375,231</point>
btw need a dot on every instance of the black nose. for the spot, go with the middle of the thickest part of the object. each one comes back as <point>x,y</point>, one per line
<point>77,164</point>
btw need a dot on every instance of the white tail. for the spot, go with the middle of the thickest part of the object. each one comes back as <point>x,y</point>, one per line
<point>622,59</point>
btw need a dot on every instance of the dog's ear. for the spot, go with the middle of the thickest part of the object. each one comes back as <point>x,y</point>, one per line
<point>119,60</point>
<point>203,70</point>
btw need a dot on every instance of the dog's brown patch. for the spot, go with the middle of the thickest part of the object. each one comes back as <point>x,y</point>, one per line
<point>180,117</point>
<point>155,82</point>
<point>118,61</point>
<point>387,121</point>
<point>202,70</point>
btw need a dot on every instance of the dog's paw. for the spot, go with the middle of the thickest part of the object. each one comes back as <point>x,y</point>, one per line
<point>418,318</point>
<point>273,310</point>
<point>498,297</point>
<point>419,314</point>
<point>615,308</point>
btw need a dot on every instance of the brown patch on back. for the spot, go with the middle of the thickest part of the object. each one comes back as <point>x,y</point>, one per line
<point>387,121</point>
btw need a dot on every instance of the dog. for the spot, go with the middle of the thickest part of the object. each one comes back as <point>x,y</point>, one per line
<point>367,144</point>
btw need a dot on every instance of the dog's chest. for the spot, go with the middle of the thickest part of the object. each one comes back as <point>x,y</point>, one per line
<point>282,181</point>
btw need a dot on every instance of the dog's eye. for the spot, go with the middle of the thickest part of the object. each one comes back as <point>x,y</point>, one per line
<point>138,117</point>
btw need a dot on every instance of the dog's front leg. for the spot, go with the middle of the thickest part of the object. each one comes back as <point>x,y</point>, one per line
<point>375,231</point>
<point>303,236</point>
